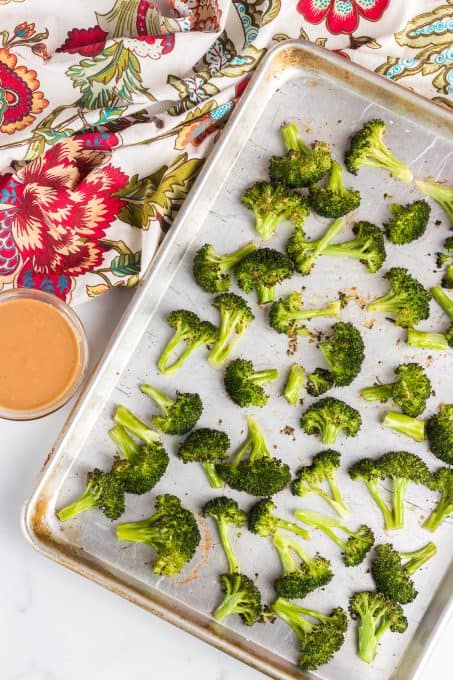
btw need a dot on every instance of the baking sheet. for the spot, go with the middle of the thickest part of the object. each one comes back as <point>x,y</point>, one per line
<point>329,99</point>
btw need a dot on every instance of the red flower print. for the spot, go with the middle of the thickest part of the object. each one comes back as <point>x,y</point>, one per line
<point>20,99</point>
<point>342,16</point>
<point>85,41</point>
<point>54,214</point>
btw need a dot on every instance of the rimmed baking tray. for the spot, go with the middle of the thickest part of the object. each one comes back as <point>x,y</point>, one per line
<point>329,98</point>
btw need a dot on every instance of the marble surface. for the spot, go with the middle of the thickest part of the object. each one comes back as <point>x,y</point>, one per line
<point>55,625</point>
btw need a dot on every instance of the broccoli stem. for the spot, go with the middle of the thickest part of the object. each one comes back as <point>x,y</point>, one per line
<point>233,565</point>
<point>368,639</point>
<point>386,303</point>
<point>285,546</point>
<point>135,532</point>
<point>266,294</point>
<point>294,384</point>
<point>336,502</point>
<point>329,433</point>
<point>85,502</point>
<point>290,526</point>
<point>377,392</point>
<point>382,157</point>
<point>399,491</point>
<point>211,473</point>
<point>262,377</point>
<point>158,397</point>
<point>231,259</point>
<point>383,507</point>
<point>411,427</point>
<point>167,351</point>
<point>130,422</point>
<point>332,309</point>
<point>178,363</point>
<point>441,193</point>
<point>442,510</point>
<point>426,340</point>
<point>288,612</point>
<point>321,244</point>
<point>221,350</point>
<point>292,139</point>
<point>417,558</point>
<point>126,445</point>
<point>267,224</point>
<point>324,523</point>
<point>229,605</point>
<point>443,300</point>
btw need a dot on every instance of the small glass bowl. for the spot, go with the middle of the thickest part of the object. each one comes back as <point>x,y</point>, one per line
<point>73,320</point>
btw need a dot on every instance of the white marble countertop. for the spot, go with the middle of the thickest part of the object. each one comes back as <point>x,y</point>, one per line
<point>55,625</point>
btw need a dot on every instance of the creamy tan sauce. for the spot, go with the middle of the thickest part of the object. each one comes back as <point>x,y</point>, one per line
<point>39,354</point>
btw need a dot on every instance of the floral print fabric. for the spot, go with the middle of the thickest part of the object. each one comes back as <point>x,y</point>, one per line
<point>108,109</point>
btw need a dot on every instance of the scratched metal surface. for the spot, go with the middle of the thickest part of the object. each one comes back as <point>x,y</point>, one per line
<point>329,99</point>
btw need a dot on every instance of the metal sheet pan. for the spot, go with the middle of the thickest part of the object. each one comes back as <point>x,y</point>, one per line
<point>330,98</point>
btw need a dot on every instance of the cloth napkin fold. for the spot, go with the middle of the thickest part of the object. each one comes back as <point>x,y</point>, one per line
<point>108,109</point>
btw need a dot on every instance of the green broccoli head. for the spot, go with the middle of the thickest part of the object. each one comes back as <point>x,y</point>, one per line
<point>286,314</point>
<point>333,200</point>
<point>207,447</point>
<point>187,332</point>
<point>441,481</point>
<point>211,270</point>
<point>304,253</point>
<point>316,477</point>
<point>328,417</point>
<point>344,352</point>
<point>301,573</point>
<point>407,300</point>
<point>263,520</point>
<point>357,546</point>
<point>301,166</point>
<point>104,490</point>
<point>376,614</point>
<point>179,415</point>
<point>172,531</point>
<point>235,317</point>
<point>367,147</point>
<point>319,640</point>
<point>368,246</point>
<point>226,512</point>
<point>441,193</point>
<point>262,270</point>
<point>410,391</point>
<point>392,570</point>
<point>252,468</point>
<point>141,472</point>
<point>272,203</point>
<point>445,259</point>
<point>241,596</point>
<point>319,382</point>
<point>407,222</point>
<point>439,430</point>
<point>245,385</point>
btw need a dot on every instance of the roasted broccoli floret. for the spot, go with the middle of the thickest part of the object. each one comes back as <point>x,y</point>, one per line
<point>328,417</point>
<point>207,447</point>
<point>392,570</point>
<point>304,253</point>
<point>262,270</point>
<point>285,315</point>
<point>354,547</point>
<point>376,614</point>
<point>445,259</point>
<point>235,317</point>
<point>441,481</point>
<point>407,300</point>
<point>410,390</point>
<point>273,203</point>
<point>302,575</point>
<point>367,246</point>
<point>429,340</point>
<point>211,270</point>
<point>252,468</point>
<point>319,382</point>
<point>141,467</point>
<point>245,385</point>
<point>411,427</point>
<point>104,490</point>
<point>302,165</point>
<point>294,384</point>
<point>189,331</point>
<point>367,147</point>
<point>241,596</point>
<point>322,471</point>
<point>172,531</point>
<point>333,200</point>
<point>179,415</point>
<point>401,468</point>
<point>318,641</point>
<point>263,520</point>
<point>344,352</point>
<point>407,222</point>
<point>125,418</point>
<point>441,193</point>
<point>439,429</point>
